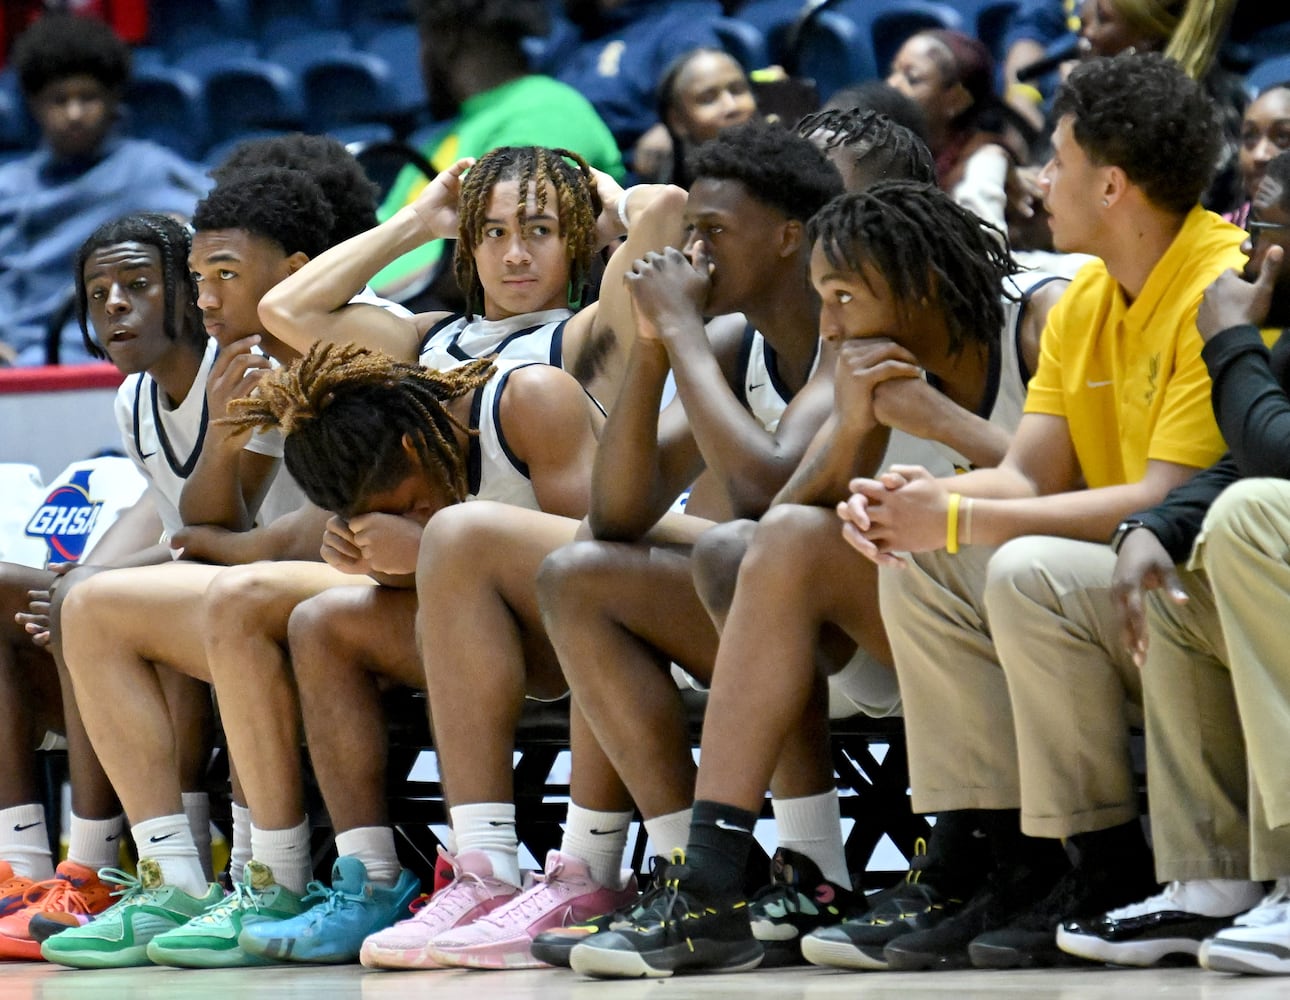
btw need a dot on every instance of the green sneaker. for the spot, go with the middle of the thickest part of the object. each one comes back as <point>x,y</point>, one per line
<point>118,937</point>
<point>209,941</point>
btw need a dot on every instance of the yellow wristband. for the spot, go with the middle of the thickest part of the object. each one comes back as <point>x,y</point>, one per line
<point>1026,91</point>
<point>952,524</point>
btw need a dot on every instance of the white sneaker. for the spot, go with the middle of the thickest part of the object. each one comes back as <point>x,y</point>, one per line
<point>1258,942</point>
<point>473,892</point>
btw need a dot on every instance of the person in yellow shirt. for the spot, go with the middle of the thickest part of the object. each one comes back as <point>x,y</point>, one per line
<point>1018,693</point>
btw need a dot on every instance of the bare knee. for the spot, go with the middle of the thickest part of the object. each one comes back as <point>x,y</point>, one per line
<point>717,556</point>
<point>240,599</point>
<point>571,579</point>
<point>319,633</point>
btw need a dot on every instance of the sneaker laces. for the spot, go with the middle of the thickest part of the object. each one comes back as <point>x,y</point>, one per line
<point>132,889</point>
<point>242,897</point>
<point>530,901</point>
<point>57,895</point>
<point>327,899</point>
<point>1273,909</point>
<point>462,881</point>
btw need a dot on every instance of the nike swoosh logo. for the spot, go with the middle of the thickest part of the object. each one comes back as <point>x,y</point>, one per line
<point>501,822</point>
<point>757,386</point>
<point>115,836</point>
<point>606,833</point>
<point>158,840</point>
<point>147,456</point>
<point>723,825</point>
<point>28,826</point>
<point>1100,385</point>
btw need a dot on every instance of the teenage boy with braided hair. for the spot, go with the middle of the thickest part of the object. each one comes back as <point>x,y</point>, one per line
<point>1001,621</point>
<point>521,260</point>
<point>868,147</point>
<point>910,283</point>
<point>137,307</point>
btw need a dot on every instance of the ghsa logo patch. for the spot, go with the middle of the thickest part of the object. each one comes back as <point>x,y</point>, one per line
<point>66,519</point>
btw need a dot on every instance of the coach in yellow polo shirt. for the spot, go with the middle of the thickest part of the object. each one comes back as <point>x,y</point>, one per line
<point>1018,692</point>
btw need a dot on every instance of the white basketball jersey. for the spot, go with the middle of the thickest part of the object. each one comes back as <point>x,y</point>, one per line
<point>528,337</point>
<point>493,470</point>
<point>762,390</point>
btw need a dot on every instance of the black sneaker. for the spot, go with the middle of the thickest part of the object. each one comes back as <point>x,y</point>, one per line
<point>1030,940</point>
<point>1150,932</point>
<point>554,946</point>
<point>911,905</point>
<point>798,900</point>
<point>678,932</point>
<point>1006,894</point>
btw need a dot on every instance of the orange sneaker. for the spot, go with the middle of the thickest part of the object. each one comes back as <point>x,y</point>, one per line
<point>70,899</point>
<point>13,889</point>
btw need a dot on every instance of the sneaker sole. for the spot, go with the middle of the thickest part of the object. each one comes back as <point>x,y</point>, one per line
<point>205,958</point>
<point>989,956</point>
<point>395,958</point>
<point>556,954</point>
<point>21,949</point>
<point>484,959</point>
<point>126,958</point>
<point>841,955</point>
<point>918,961</point>
<point>1224,956</point>
<point>1139,954</point>
<point>606,963</point>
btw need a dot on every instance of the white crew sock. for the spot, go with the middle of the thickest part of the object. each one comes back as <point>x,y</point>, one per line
<point>599,839</point>
<point>1217,897</point>
<point>95,843</point>
<point>240,853</point>
<point>489,827</point>
<point>286,852</point>
<point>669,831</point>
<point>168,840</point>
<point>197,807</point>
<point>374,846</point>
<point>24,841</point>
<point>812,825</point>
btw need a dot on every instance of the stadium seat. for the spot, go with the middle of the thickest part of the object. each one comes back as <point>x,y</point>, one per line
<point>988,20</point>
<point>166,105</point>
<point>15,130</point>
<point>831,50</point>
<point>347,87</point>
<point>775,20</point>
<point>889,24</point>
<point>1268,73</point>
<point>743,41</point>
<point>298,53</point>
<point>400,47</point>
<point>179,25</point>
<point>219,152</point>
<point>202,60</point>
<point>248,94</point>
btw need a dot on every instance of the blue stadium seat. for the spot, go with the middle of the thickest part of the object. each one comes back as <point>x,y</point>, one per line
<point>832,51</point>
<point>774,19</point>
<point>400,47</point>
<point>1268,73</point>
<point>219,152</point>
<point>298,53</point>
<point>16,132</point>
<point>889,24</point>
<point>347,87</point>
<point>743,41</point>
<point>989,22</point>
<point>165,105</point>
<point>248,94</point>
<point>178,25</point>
<point>202,60</point>
<point>315,13</point>
<point>391,11</point>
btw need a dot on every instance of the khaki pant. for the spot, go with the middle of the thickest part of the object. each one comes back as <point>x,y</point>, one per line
<point>1217,689</point>
<point>1016,688</point>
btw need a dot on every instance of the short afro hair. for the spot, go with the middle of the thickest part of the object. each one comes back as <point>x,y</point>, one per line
<point>505,19</point>
<point>280,204</point>
<point>349,191</point>
<point>61,45</point>
<point>1143,114</point>
<point>777,167</point>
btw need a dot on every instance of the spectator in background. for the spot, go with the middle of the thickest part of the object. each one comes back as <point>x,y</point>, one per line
<point>73,71</point>
<point>478,82</point>
<point>951,77</point>
<point>881,97</point>
<point>1039,32</point>
<point>1265,133</point>
<point>625,46</point>
<point>701,93</point>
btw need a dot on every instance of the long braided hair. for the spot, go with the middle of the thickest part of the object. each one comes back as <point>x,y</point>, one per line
<point>172,242</point>
<point>926,247</point>
<point>346,412</point>
<point>577,207</point>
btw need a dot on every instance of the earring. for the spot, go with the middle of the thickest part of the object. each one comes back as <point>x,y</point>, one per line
<point>1105,203</point>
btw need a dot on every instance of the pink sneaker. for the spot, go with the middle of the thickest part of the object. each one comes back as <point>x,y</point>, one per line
<point>564,894</point>
<point>472,892</point>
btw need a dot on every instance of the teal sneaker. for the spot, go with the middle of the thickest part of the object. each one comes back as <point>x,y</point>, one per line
<point>118,937</point>
<point>334,928</point>
<point>209,941</point>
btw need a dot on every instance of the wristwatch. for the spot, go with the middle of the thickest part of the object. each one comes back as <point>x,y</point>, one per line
<point>1123,529</point>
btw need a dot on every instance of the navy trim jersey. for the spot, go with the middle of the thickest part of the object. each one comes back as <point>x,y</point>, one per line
<point>456,340</point>
<point>493,470</point>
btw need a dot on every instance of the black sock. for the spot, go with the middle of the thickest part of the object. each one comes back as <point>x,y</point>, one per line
<point>1014,851</point>
<point>958,852</point>
<point>721,837</point>
<point>1118,848</point>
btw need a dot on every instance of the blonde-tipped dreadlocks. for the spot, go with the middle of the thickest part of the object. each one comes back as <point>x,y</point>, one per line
<point>577,207</point>
<point>346,411</point>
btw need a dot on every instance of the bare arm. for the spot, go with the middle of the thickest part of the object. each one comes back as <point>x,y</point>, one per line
<point>295,536</point>
<point>551,427</point>
<point>312,304</point>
